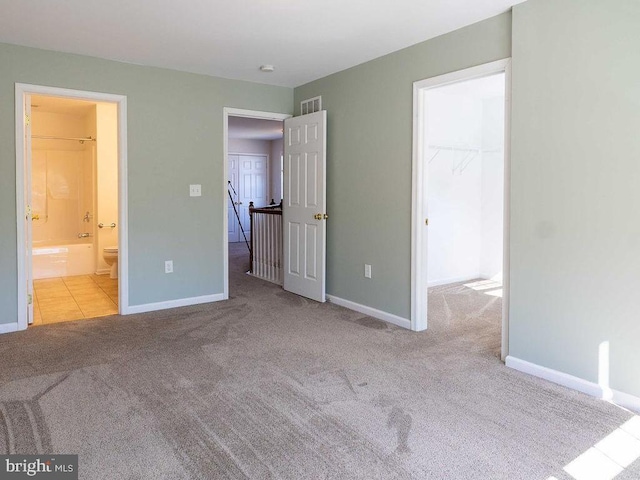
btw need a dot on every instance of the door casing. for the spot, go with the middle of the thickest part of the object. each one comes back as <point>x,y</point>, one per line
<point>419,189</point>
<point>226,113</point>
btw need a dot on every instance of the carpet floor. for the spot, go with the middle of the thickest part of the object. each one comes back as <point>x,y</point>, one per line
<point>271,385</point>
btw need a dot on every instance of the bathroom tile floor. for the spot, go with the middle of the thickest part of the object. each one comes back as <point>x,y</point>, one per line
<point>63,299</point>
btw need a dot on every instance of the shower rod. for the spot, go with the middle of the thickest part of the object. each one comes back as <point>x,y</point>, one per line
<point>78,139</point>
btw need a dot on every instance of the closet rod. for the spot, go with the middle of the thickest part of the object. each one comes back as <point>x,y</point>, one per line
<point>78,139</point>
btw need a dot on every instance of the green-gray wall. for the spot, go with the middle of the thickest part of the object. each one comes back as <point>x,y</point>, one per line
<point>369,109</point>
<point>175,138</point>
<point>575,190</point>
<point>575,240</point>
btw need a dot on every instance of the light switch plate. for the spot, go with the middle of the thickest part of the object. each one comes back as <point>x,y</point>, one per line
<point>168,266</point>
<point>367,270</point>
<point>195,190</point>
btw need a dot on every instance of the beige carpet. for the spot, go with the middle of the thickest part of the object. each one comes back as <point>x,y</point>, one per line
<point>270,385</point>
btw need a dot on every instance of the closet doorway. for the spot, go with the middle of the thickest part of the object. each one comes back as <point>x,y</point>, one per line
<point>460,201</point>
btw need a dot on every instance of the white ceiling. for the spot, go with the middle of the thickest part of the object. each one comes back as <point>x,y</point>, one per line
<point>304,39</point>
<point>254,129</point>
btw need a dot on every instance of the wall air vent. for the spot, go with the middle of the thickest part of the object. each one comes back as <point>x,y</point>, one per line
<point>311,105</point>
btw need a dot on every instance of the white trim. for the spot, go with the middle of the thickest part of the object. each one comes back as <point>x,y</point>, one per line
<point>418,190</point>
<point>575,383</point>
<point>180,302</point>
<point>372,312</point>
<point>226,113</point>
<point>625,400</point>
<point>506,238</point>
<point>20,210</point>
<point>8,327</point>
<point>22,89</point>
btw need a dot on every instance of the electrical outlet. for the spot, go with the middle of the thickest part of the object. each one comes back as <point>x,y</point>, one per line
<point>195,190</point>
<point>367,270</point>
<point>168,266</point>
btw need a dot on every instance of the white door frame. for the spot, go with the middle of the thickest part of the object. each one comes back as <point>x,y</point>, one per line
<point>226,113</point>
<point>22,89</point>
<point>419,189</point>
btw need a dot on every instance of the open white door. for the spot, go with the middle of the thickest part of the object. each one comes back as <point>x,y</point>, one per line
<point>304,207</point>
<point>28,212</point>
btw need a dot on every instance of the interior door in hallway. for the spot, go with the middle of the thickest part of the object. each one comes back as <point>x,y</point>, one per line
<point>248,176</point>
<point>304,206</point>
<point>232,200</point>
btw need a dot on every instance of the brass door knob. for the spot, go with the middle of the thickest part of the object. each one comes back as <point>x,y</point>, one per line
<point>325,216</point>
<point>318,216</point>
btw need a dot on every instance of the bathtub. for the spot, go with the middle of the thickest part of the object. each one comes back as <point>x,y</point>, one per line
<point>63,260</point>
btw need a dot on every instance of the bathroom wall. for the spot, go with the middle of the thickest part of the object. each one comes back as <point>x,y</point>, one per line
<point>62,172</point>
<point>106,180</point>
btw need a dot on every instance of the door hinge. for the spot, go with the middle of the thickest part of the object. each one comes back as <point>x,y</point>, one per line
<point>27,120</point>
<point>29,299</point>
<point>426,222</point>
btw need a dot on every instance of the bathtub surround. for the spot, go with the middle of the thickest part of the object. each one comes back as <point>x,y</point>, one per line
<point>61,260</point>
<point>62,185</point>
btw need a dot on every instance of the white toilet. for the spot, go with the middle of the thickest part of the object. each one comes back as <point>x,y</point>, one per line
<point>110,255</point>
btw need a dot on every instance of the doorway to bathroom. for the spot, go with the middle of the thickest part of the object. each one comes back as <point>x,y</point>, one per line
<point>71,165</point>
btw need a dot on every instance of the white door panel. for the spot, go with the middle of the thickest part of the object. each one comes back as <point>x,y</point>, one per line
<point>234,230</point>
<point>305,200</point>
<point>248,176</point>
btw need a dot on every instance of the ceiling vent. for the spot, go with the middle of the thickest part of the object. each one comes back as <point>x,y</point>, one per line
<point>311,105</point>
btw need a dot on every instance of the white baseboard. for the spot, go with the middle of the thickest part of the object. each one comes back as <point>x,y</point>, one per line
<point>619,398</point>
<point>181,302</point>
<point>103,271</point>
<point>447,281</point>
<point>8,327</point>
<point>372,312</point>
